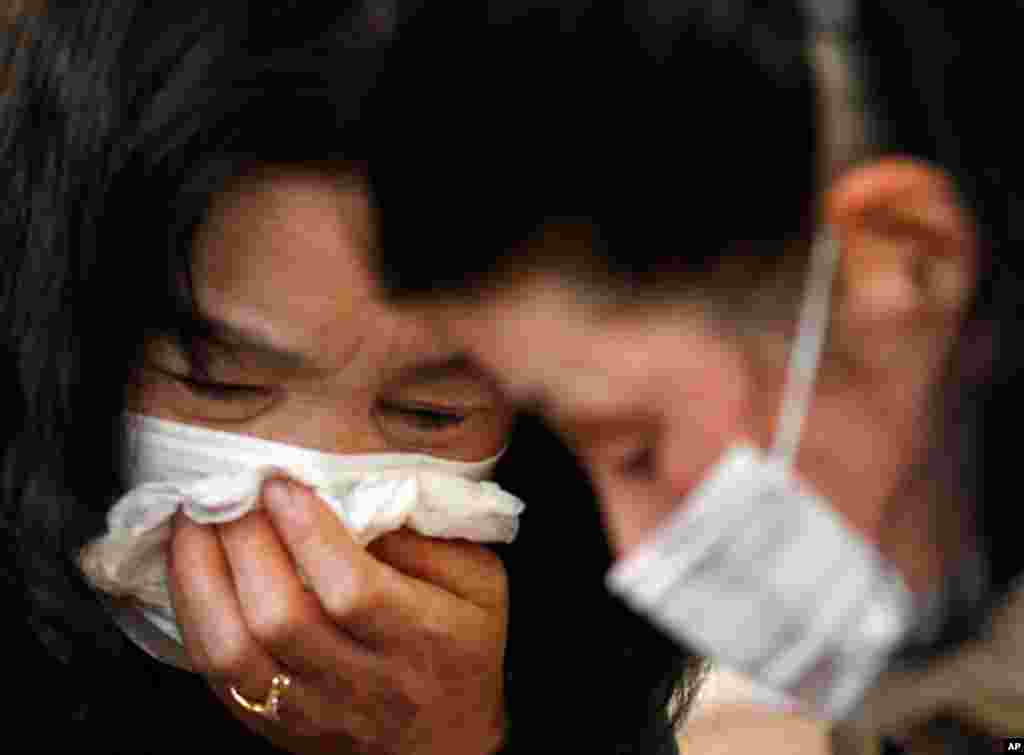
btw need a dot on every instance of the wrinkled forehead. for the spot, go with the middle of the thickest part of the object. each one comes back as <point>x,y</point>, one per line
<point>280,270</point>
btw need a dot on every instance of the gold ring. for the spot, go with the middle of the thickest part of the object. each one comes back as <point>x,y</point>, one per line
<point>268,709</point>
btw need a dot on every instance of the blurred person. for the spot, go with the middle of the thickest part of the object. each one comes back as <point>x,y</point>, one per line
<point>652,257</point>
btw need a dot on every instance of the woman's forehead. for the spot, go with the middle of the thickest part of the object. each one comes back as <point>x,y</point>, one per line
<point>280,269</point>
<point>302,235</point>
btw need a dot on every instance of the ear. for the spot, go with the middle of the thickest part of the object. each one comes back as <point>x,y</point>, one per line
<point>908,257</point>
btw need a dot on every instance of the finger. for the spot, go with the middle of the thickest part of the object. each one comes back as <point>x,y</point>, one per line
<point>302,708</point>
<point>373,602</point>
<point>280,613</point>
<point>467,570</point>
<point>215,634</point>
<point>216,637</point>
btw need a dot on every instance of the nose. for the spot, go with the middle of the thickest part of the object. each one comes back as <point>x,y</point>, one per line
<point>338,427</point>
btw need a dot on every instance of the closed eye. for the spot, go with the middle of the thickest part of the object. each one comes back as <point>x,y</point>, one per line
<point>224,391</point>
<point>425,418</point>
<point>215,390</point>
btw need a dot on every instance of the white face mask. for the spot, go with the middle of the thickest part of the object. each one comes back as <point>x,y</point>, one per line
<point>759,572</point>
<point>215,477</point>
<point>164,451</point>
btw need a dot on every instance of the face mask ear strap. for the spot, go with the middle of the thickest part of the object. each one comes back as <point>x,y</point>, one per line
<point>806,352</point>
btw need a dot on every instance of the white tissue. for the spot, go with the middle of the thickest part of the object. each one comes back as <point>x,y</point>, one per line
<point>130,560</point>
<point>215,476</point>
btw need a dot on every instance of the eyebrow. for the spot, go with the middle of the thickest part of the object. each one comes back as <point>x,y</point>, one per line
<point>236,338</point>
<point>440,370</point>
<point>261,345</point>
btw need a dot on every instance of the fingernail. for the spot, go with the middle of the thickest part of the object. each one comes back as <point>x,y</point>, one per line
<point>285,502</point>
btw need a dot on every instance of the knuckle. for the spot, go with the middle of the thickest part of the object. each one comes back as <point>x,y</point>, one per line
<point>353,599</point>
<point>273,622</point>
<point>227,658</point>
<point>436,630</point>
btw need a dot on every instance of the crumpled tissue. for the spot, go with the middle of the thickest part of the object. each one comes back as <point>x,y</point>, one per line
<point>130,560</point>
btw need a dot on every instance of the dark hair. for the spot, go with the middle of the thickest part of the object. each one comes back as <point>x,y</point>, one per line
<point>674,130</point>
<point>119,122</point>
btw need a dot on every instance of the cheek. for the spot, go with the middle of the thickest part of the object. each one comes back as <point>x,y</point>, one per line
<point>705,414</point>
<point>160,397</point>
